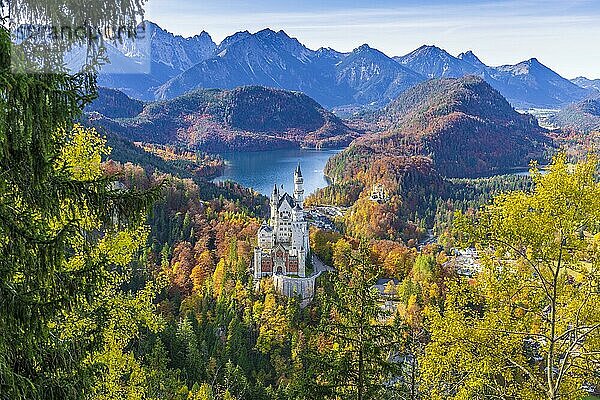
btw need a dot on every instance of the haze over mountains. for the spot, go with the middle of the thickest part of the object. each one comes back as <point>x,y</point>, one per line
<point>364,76</point>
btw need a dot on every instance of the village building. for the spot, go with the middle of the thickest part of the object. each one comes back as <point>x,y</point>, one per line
<point>378,193</point>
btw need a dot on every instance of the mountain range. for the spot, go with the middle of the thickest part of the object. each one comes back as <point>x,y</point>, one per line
<point>364,76</point>
<point>587,83</point>
<point>168,55</point>
<point>526,84</point>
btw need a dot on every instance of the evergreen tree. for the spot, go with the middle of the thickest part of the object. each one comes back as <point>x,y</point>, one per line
<point>55,213</point>
<point>358,340</point>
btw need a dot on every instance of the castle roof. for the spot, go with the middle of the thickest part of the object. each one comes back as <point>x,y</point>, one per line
<point>298,171</point>
<point>265,227</point>
<point>286,197</point>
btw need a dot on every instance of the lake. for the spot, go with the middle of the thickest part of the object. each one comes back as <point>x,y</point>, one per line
<point>261,170</point>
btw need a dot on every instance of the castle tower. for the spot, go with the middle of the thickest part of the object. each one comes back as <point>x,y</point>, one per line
<point>274,204</point>
<point>299,187</point>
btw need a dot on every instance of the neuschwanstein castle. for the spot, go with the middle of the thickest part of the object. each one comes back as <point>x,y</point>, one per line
<point>283,242</point>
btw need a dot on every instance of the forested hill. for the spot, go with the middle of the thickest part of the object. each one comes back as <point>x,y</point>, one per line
<point>583,116</point>
<point>464,125</point>
<point>440,129</point>
<point>115,104</point>
<point>245,118</point>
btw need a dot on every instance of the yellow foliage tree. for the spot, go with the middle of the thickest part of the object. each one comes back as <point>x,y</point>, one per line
<point>528,325</point>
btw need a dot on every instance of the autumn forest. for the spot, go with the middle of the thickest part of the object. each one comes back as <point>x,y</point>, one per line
<point>126,271</point>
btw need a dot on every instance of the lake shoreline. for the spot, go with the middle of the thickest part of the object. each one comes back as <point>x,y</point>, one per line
<point>260,170</point>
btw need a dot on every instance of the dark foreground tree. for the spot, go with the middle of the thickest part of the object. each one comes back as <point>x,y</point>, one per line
<point>58,214</point>
<point>356,339</point>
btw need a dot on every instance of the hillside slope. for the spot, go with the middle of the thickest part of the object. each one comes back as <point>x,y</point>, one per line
<point>593,84</point>
<point>166,55</point>
<point>246,118</point>
<point>370,76</point>
<point>463,125</point>
<point>532,84</point>
<point>583,116</point>
<point>433,62</point>
<point>113,103</point>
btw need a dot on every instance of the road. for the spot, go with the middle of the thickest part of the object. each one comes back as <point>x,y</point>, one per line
<point>319,266</point>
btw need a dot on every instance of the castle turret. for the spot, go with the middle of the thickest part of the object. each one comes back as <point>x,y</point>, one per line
<point>299,187</point>
<point>274,203</point>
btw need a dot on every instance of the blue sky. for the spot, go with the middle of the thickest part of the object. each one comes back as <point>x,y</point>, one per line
<point>563,34</point>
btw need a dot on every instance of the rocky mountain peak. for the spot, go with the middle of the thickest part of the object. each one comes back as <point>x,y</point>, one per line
<point>471,58</point>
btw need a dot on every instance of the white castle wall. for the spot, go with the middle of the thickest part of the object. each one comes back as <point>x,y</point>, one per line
<point>290,286</point>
